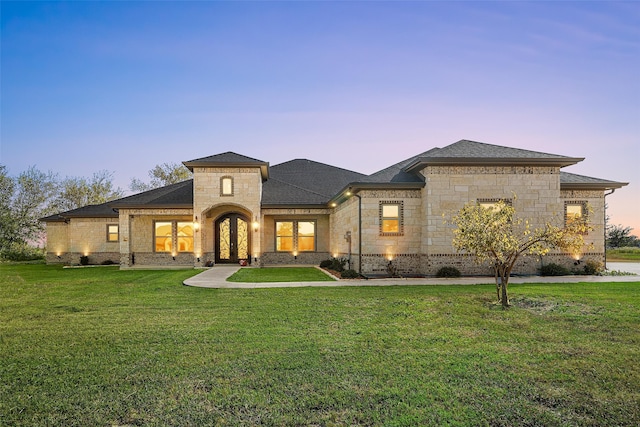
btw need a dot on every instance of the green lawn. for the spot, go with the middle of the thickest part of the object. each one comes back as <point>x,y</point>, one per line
<point>102,347</point>
<point>623,254</point>
<point>280,274</point>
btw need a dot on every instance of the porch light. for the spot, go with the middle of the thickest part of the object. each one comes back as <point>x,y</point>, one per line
<point>348,193</point>
<point>255,225</point>
<point>334,204</point>
<point>196,224</point>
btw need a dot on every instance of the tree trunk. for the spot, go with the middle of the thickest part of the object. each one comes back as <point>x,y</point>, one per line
<point>505,296</point>
<point>495,269</point>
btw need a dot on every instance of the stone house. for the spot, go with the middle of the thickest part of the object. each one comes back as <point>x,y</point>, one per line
<point>237,209</point>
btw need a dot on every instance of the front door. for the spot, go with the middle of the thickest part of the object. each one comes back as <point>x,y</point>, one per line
<point>232,238</point>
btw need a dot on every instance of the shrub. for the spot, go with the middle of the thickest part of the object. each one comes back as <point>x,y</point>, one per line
<point>108,262</point>
<point>335,264</point>
<point>22,252</point>
<point>84,260</point>
<point>593,267</point>
<point>350,274</point>
<point>326,263</point>
<point>448,272</point>
<point>554,270</point>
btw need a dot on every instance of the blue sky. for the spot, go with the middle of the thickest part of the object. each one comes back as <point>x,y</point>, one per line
<point>124,86</point>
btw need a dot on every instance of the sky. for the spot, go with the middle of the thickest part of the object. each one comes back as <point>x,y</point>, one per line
<point>124,86</point>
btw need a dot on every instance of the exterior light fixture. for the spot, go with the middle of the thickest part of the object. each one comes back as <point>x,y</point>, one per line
<point>255,225</point>
<point>196,224</point>
<point>173,255</point>
<point>295,255</point>
<point>334,204</point>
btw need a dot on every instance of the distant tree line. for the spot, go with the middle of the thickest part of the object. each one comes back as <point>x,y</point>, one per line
<point>34,194</point>
<point>619,236</point>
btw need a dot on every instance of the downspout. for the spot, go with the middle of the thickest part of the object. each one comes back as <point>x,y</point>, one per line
<point>605,225</point>
<point>359,234</point>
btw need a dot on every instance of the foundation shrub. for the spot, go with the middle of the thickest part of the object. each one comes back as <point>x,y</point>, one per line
<point>448,272</point>
<point>593,267</point>
<point>350,274</point>
<point>335,264</point>
<point>554,270</point>
<point>84,260</point>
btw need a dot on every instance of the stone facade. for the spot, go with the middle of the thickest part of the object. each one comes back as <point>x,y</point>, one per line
<point>348,214</point>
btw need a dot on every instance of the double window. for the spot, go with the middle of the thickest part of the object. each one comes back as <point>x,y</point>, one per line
<point>295,236</point>
<point>391,218</point>
<point>173,236</point>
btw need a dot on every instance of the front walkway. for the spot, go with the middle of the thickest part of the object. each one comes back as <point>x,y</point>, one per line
<point>216,277</point>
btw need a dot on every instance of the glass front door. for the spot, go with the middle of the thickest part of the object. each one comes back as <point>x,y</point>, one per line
<point>232,239</point>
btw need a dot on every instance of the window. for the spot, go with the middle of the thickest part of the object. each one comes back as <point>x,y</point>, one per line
<point>112,232</point>
<point>185,237</point>
<point>306,236</point>
<point>299,236</point>
<point>574,211</point>
<point>226,186</point>
<point>163,236</point>
<point>168,232</point>
<point>391,219</point>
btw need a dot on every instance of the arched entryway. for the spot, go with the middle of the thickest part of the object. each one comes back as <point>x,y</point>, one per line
<point>232,238</point>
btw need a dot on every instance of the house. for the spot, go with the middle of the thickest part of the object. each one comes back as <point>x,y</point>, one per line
<point>240,209</point>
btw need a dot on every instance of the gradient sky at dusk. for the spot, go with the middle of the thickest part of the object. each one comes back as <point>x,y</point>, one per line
<point>124,86</point>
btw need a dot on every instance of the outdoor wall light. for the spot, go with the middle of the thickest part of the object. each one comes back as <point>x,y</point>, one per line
<point>196,224</point>
<point>255,225</point>
<point>334,204</point>
<point>173,255</point>
<point>295,255</point>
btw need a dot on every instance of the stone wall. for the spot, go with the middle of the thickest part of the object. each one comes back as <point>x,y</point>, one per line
<point>210,203</point>
<point>137,236</point>
<point>67,242</point>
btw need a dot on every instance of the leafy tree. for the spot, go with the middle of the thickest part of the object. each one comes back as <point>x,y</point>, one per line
<point>34,194</point>
<point>24,200</point>
<point>161,175</point>
<point>497,236</point>
<point>619,236</point>
<point>75,192</point>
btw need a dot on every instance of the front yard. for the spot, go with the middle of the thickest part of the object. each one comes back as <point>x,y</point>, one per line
<point>103,347</point>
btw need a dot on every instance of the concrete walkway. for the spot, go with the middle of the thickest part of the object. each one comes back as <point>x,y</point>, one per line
<point>216,277</point>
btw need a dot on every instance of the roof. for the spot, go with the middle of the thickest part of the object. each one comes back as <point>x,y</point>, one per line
<point>179,195</point>
<point>229,159</point>
<point>303,181</point>
<point>465,152</point>
<point>103,210</point>
<point>571,181</point>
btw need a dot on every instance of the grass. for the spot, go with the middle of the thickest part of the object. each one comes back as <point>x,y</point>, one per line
<point>623,254</point>
<point>280,274</point>
<point>103,347</point>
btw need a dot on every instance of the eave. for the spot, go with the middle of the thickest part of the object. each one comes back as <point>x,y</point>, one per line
<point>356,187</point>
<point>421,163</point>
<point>612,185</point>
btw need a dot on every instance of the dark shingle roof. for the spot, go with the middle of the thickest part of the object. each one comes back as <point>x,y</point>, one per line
<point>103,210</point>
<point>303,181</point>
<point>174,195</point>
<point>472,152</point>
<point>574,181</point>
<point>229,159</point>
